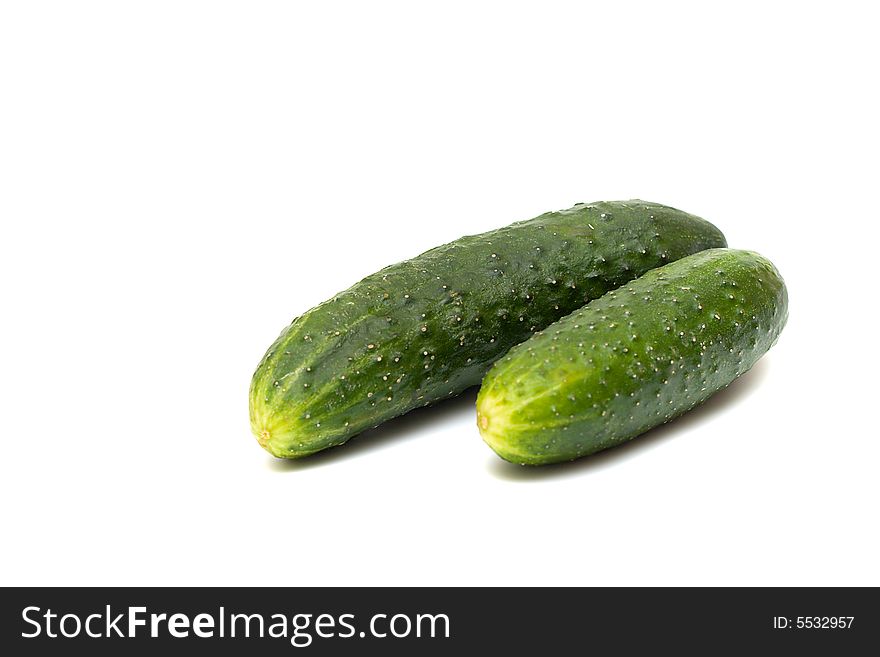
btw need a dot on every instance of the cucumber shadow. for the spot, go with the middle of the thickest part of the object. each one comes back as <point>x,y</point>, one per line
<point>726,398</point>
<point>409,426</point>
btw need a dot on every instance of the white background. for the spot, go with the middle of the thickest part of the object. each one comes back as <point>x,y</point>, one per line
<point>178,180</point>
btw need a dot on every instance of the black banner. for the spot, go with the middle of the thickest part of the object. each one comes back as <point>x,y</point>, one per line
<point>407,621</point>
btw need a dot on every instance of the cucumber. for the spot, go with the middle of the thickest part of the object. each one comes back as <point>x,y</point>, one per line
<point>634,359</point>
<point>428,328</point>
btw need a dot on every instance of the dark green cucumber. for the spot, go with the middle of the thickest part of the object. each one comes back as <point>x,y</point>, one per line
<point>427,328</point>
<point>634,359</point>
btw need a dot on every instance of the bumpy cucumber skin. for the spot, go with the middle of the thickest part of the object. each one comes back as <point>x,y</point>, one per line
<point>428,328</point>
<point>636,358</point>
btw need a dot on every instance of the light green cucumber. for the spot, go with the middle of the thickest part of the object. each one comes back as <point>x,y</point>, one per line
<point>636,358</point>
<point>427,328</point>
